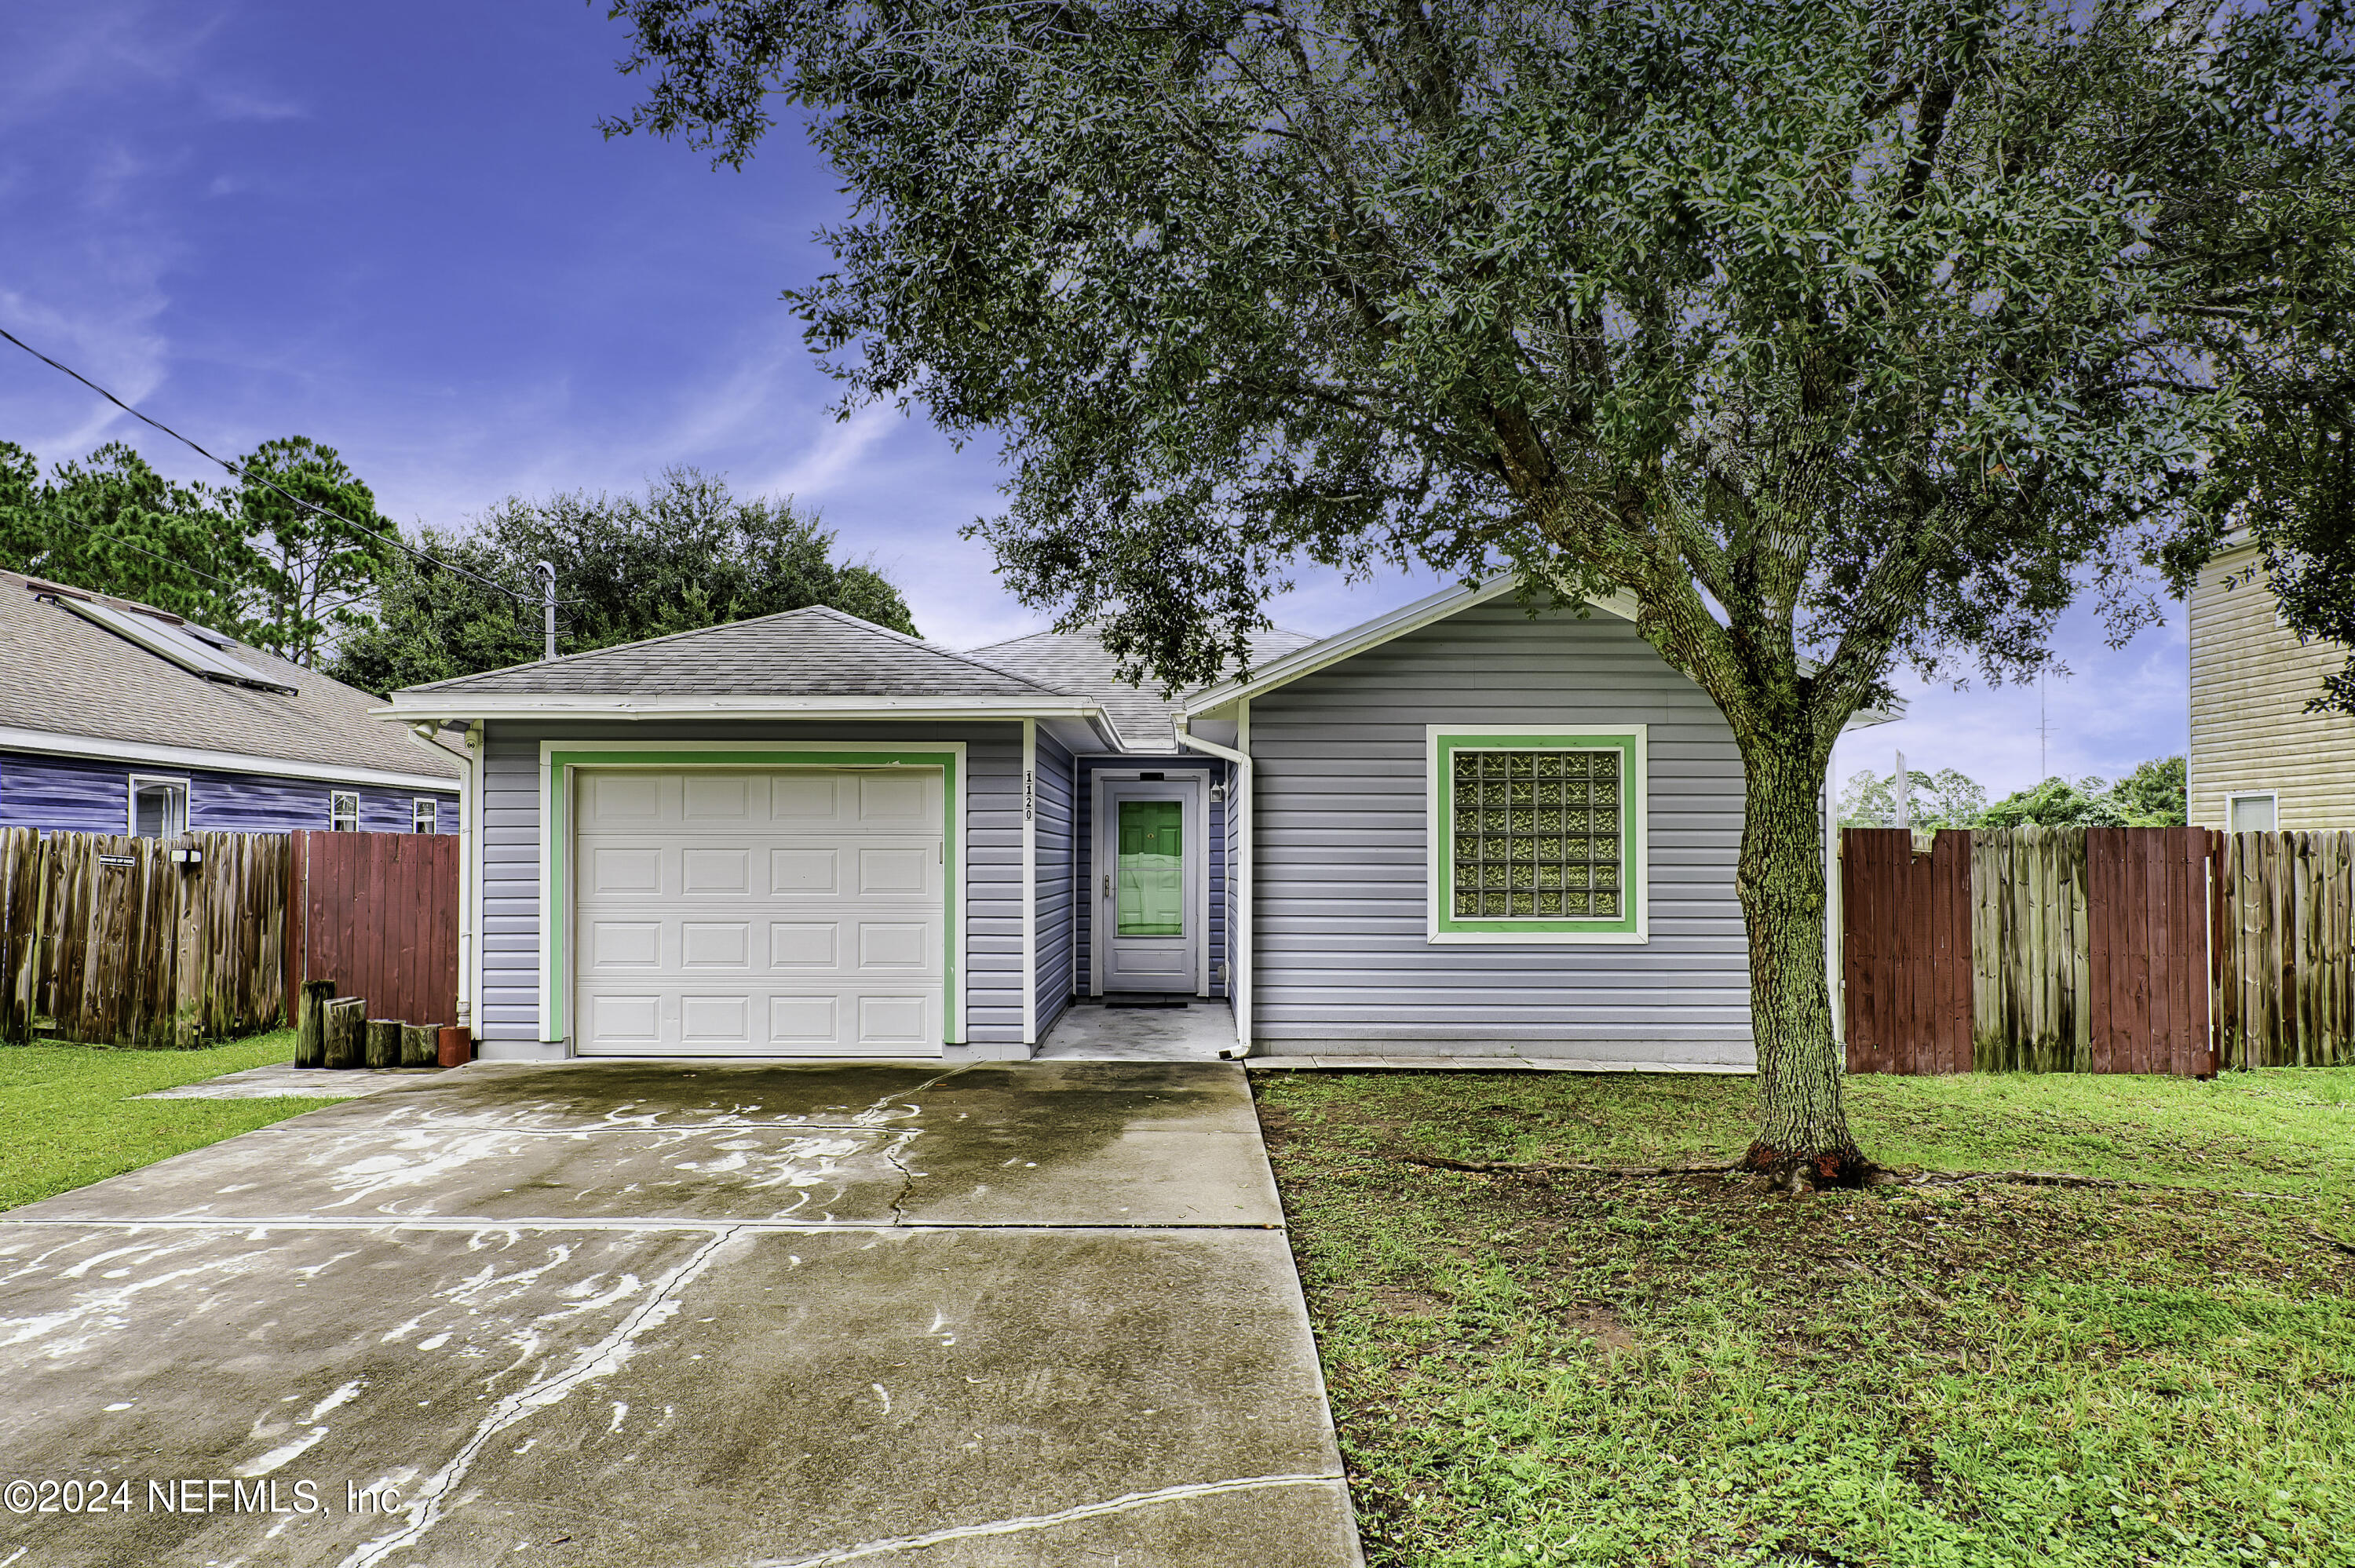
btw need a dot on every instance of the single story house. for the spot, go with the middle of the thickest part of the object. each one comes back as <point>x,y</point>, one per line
<point>1456,828</point>
<point>116,718</point>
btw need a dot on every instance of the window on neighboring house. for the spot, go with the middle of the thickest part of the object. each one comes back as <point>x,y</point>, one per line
<point>159,806</point>
<point>2256,813</point>
<point>1536,837</point>
<point>422,815</point>
<point>343,810</point>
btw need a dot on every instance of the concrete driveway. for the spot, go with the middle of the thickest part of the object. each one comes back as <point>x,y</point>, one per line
<point>1038,1313</point>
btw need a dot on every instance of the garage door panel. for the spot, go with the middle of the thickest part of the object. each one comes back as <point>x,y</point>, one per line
<point>793,913</point>
<point>716,1021</point>
<point>623,798</point>
<point>803,944</point>
<point>621,870</point>
<point>901,804</point>
<point>804,871</point>
<point>625,944</point>
<point>715,945</point>
<point>802,1021</point>
<point>721,798</point>
<point>891,1021</point>
<point>626,1019</point>
<point>901,870</point>
<point>805,800</point>
<point>706,872</point>
<point>887,945</point>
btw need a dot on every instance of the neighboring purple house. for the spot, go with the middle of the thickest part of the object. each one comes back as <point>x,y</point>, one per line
<point>119,718</point>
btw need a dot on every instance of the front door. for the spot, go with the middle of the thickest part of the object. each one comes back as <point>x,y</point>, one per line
<point>1149,882</point>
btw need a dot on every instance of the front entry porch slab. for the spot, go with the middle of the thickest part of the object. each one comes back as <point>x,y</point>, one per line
<point>1149,1029</point>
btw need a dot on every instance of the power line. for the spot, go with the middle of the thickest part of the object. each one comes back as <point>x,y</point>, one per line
<point>235,471</point>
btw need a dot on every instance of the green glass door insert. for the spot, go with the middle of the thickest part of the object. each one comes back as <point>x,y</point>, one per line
<point>1152,868</point>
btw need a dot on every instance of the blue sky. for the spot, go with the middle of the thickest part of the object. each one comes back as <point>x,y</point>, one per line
<point>395,228</point>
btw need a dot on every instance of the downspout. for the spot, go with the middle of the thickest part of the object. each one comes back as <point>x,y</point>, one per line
<point>1240,803</point>
<point>470,880</point>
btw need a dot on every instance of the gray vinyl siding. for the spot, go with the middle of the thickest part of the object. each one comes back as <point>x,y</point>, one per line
<point>1342,955</point>
<point>512,926</point>
<point>507,1006</point>
<point>1214,771</point>
<point>1058,866</point>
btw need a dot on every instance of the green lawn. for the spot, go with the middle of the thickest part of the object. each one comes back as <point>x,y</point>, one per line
<point>66,1118</point>
<point>1574,1369</point>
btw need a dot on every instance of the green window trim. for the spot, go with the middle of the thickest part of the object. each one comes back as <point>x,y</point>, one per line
<point>1538,836</point>
<point>559,760</point>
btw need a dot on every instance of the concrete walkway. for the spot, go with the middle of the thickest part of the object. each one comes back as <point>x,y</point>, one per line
<point>278,1079</point>
<point>1036,1313</point>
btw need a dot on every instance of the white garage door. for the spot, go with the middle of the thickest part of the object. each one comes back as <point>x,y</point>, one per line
<point>787,912</point>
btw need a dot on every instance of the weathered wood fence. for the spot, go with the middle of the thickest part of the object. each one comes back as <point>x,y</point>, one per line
<point>117,940</point>
<point>2097,950</point>
<point>2285,912</point>
<point>377,914</point>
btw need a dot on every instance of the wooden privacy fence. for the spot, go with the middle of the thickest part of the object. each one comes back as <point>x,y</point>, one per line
<point>2284,914</point>
<point>2097,950</point>
<point>108,940</point>
<point>115,940</point>
<point>377,914</point>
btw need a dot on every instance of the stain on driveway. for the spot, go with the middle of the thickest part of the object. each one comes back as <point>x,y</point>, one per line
<point>651,1314</point>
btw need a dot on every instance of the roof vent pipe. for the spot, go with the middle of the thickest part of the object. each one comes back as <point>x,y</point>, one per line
<point>547,604</point>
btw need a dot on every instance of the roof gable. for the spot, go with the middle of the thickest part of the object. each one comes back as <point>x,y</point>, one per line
<point>1078,661</point>
<point>1427,611</point>
<point>811,652</point>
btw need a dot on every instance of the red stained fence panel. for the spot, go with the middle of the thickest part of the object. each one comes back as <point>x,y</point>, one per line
<point>377,915</point>
<point>2038,949</point>
<point>2147,906</point>
<point>1907,951</point>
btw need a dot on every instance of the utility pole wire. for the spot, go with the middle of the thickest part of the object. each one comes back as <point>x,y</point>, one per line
<point>395,540</point>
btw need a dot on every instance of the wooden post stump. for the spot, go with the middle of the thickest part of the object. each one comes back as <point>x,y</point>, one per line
<point>384,1042</point>
<point>457,1046</point>
<point>418,1044</point>
<point>311,1023</point>
<point>345,1031</point>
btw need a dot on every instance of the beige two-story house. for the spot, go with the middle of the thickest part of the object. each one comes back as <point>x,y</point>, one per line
<point>2259,762</point>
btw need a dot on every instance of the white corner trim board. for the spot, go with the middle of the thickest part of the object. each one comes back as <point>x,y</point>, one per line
<point>1031,884</point>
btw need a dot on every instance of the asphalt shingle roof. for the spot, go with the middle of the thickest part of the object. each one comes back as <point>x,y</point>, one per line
<point>811,652</point>
<point>1077,661</point>
<point>61,675</point>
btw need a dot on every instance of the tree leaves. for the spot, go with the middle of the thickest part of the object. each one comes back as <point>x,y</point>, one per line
<point>686,554</point>
<point>1839,335</point>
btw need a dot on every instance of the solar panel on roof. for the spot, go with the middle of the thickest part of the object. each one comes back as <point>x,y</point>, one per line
<point>174,643</point>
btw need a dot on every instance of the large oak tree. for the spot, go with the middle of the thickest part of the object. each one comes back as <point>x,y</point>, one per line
<point>1841,337</point>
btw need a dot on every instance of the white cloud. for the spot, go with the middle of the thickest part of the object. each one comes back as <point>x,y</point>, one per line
<point>838,456</point>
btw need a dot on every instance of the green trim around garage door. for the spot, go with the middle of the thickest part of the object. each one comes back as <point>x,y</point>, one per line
<point>556,763</point>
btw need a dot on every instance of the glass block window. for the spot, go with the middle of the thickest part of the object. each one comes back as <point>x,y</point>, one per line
<point>1538,835</point>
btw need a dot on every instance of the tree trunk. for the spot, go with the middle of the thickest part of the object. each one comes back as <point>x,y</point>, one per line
<point>1803,1137</point>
